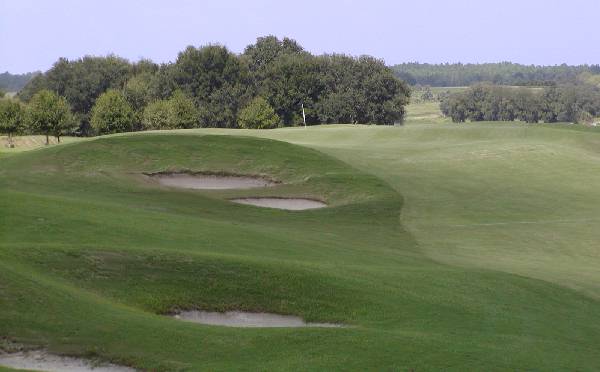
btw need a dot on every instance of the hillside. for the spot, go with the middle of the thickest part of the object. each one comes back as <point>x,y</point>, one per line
<point>456,247</point>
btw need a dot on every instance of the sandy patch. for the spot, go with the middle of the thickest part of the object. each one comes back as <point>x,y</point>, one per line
<point>293,204</point>
<point>244,319</point>
<point>210,182</point>
<point>41,361</point>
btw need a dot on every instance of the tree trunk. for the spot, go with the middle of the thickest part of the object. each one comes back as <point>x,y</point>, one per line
<point>58,139</point>
<point>47,140</point>
<point>10,141</point>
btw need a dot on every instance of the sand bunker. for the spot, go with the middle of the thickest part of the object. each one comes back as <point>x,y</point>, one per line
<point>243,319</point>
<point>42,361</point>
<point>293,204</point>
<point>209,181</point>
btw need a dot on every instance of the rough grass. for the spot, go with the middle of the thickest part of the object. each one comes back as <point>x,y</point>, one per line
<point>448,247</point>
<point>424,112</point>
<point>25,143</point>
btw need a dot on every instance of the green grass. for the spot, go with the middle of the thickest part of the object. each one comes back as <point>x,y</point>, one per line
<point>427,112</point>
<point>26,143</point>
<point>446,247</point>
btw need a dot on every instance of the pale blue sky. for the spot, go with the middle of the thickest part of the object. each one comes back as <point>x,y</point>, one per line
<point>33,34</point>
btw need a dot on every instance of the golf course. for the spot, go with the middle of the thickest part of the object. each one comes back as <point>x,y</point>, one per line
<point>197,186</point>
<point>442,247</point>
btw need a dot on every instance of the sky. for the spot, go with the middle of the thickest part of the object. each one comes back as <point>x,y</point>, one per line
<point>34,34</point>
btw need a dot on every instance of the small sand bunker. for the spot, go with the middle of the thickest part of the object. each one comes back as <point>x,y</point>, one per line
<point>210,181</point>
<point>243,319</point>
<point>42,361</point>
<point>293,204</point>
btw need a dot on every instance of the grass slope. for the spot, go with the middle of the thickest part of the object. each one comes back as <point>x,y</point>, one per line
<point>25,143</point>
<point>446,247</point>
<point>504,196</point>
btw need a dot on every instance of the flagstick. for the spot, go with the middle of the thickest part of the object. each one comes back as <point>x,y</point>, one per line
<point>303,115</point>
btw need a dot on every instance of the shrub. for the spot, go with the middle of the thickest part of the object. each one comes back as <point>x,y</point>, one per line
<point>183,112</point>
<point>177,112</point>
<point>157,115</point>
<point>258,114</point>
<point>112,113</point>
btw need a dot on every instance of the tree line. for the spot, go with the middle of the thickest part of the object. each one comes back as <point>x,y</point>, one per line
<point>15,82</point>
<point>46,113</point>
<point>563,103</point>
<point>504,73</point>
<point>265,86</point>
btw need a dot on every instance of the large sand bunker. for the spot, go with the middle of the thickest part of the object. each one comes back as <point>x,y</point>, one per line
<point>41,361</point>
<point>210,181</point>
<point>293,204</point>
<point>244,319</point>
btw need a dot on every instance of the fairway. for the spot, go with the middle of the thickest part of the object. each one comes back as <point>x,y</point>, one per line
<point>442,247</point>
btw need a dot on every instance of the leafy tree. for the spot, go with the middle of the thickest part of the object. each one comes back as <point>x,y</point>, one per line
<point>386,95</point>
<point>217,80</point>
<point>455,106</point>
<point>144,66</point>
<point>289,82</point>
<point>359,90</point>
<point>427,94</point>
<point>163,83</point>
<point>267,49</point>
<point>11,118</point>
<point>339,107</point>
<point>183,112</point>
<point>527,106</point>
<point>157,115</point>
<point>49,114</point>
<point>112,113</point>
<point>221,110</point>
<point>343,99</point>
<point>138,91</point>
<point>178,111</point>
<point>81,82</point>
<point>258,114</point>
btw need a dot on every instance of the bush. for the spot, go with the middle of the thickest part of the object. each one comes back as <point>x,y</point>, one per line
<point>183,112</point>
<point>112,114</point>
<point>177,112</point>
<point>157,115</point>
<point>258,114</point>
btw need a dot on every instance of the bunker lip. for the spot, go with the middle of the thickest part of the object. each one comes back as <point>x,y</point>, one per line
<point>210,180</point>
<point>39,360</point>
<point>248,319</point>
<point>293,204</point>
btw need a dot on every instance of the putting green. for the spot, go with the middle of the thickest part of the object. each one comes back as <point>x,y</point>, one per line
<point>443,247</point>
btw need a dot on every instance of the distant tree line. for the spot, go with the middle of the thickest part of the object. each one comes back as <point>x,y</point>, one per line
<point>563,103</point>
<point>15,82</point>
<point>210,86</point>
<point>504,73</point>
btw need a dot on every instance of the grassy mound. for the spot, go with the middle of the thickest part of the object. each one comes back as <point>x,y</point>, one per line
<point>91,255</point>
